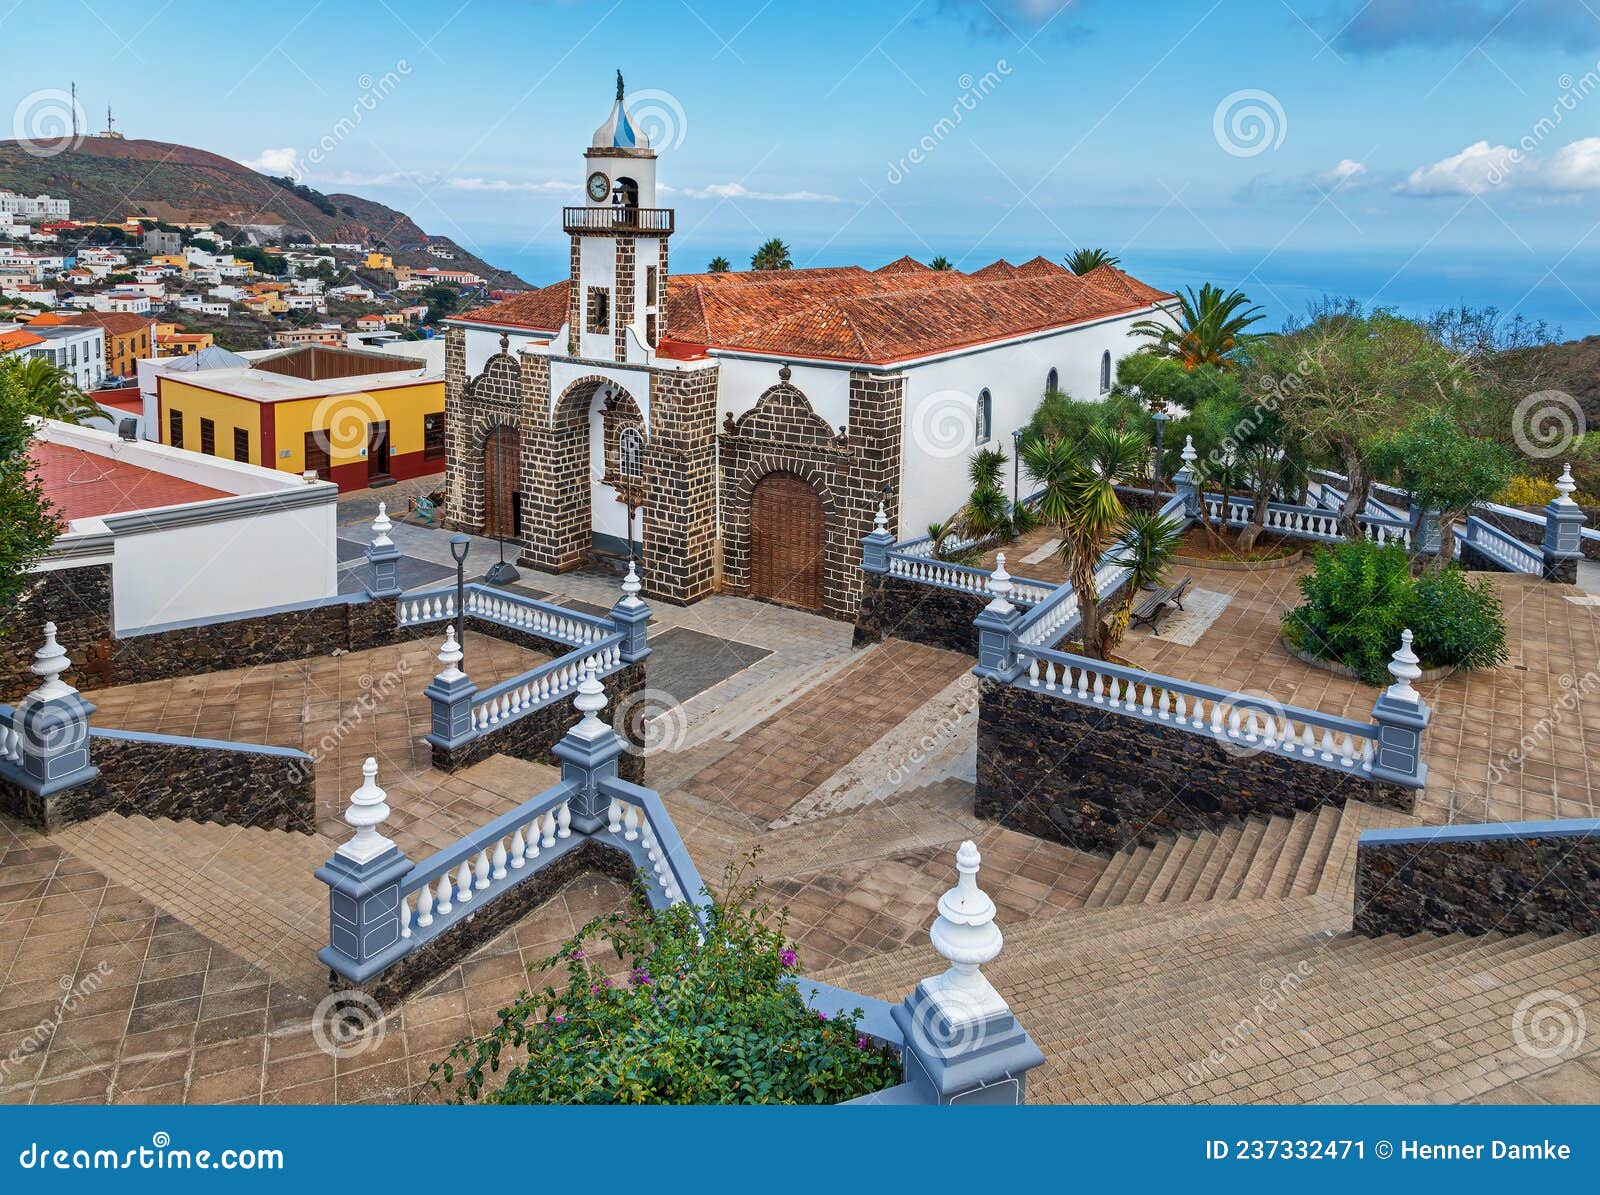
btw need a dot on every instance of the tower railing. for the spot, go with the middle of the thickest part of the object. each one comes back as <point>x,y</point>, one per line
<point>617,219</point>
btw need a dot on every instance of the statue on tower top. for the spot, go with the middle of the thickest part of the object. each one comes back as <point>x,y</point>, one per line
<point>619,86</point>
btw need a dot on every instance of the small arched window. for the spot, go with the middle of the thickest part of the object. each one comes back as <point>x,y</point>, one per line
<point>1105,373</point>
<point>630,453</point>
<point>1052,381</point>
<point>985,411</point>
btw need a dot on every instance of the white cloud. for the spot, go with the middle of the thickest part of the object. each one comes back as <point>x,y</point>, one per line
<point>1574,167</point>
<point>1343,174</point>
<point>280,162</point>
<point>740,191</point>
<point>501,184</point>
<point>1474,170</point>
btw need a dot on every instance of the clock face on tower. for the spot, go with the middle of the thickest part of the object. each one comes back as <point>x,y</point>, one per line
<point>599,186</point>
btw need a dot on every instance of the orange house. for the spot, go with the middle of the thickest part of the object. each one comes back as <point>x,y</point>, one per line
<point>129,338</point>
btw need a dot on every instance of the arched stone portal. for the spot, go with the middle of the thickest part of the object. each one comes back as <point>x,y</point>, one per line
<point>501,473</point>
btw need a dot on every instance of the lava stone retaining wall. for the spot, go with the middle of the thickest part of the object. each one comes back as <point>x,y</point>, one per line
<point>1516,878</point>
<point>532,736</point>
<point>1102,781</point>
<point>421,966</point>
<point>901,609</point>
<point>196,780</point>
<point>78,601</point>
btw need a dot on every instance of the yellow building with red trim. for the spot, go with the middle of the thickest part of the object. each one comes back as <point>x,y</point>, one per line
<point>354,418</point>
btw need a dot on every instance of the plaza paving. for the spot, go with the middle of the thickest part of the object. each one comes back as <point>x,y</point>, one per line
<point>191,943</point>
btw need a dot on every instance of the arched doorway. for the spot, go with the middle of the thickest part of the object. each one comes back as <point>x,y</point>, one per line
<point>786,541</point>
<point>501,471</point>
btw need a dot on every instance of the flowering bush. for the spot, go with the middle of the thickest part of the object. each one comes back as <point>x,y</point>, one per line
<point>695,1014</point>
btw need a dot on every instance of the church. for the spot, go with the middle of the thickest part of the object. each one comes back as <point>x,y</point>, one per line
<point>736,431</point>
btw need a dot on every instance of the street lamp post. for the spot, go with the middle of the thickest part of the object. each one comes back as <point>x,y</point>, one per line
<point>460,545</point>
<point>1160,417</point>
<point>1016,466</point>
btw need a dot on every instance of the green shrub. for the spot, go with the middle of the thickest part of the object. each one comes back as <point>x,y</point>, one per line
<point>1359,597</point>
<point>712,1020</point>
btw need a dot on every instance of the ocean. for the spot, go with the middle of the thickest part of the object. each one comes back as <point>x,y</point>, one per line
<point>1561,290</point>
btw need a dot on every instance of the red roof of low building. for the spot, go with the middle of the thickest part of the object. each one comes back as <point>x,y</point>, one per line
<point>84,484</point>
<point>18,339</point>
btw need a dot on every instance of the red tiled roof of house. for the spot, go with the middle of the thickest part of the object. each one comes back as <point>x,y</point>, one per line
<point>1040,266</point>
<point>116,323</point>
<point>85,484</point>
<point>18,339</point>
<point>850,314</point>
<point>903,265</point>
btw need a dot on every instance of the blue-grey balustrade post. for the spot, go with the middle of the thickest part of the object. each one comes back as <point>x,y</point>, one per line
<point>1401,716</point>
<point>1563,532</point>
<point>632,617</point>
<point>962,1043</point>
<point>875,547</point>
<point>382,556</point>
<point>450,694</point>
<point>52,726</point>
<point>1426,537</point>
<point>363,879</point>
<point>1186,482</point>
<point>588,754</point>
<point>997,628</point>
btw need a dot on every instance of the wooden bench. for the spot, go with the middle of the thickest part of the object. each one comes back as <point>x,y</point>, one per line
<point>1155,604</point>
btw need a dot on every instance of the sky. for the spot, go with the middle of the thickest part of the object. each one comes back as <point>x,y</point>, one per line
<point>1418,151</point>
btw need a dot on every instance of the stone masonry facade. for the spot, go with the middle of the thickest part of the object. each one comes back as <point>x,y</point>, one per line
<point>893,607</point>
<point>1103,781</point>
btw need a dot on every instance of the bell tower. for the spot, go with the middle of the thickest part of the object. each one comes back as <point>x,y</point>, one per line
<point>617,311</point>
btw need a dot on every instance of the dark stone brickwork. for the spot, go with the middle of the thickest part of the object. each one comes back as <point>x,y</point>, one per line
<point>892,607</point>
<point>182,781</point>
<point>1100,781</point>
<point>1475,561</point>
<point>1524,885</point>
<point>532,736</point>
<point>847,467</point>
<point>622,314</point>
<point>422,966</point>
<point>680,470</point>
<point>78,601</point>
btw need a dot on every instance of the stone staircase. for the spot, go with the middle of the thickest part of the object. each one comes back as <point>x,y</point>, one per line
<point>1262,859</point>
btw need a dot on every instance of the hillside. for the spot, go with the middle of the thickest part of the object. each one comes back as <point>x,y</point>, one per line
<point>109,179</point>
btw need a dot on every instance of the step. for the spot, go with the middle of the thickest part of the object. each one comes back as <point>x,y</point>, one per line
<point>1171,869</point>
<point>1239,862</point>
<point>1159,854</point>
<point>1315,856</point>
<point>1118,892</point>
<point>1291,856</point>
<point>1339,872</point>
<point>1205,887</point>
<point>1254,883</point>
<point>1108,879</point>
<point>1194,867</point>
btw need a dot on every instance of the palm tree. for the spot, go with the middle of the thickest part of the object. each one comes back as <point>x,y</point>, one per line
<point>987,512</point>
<point>719,265</point>
<point>46,390</point>
<point>941,263</point>
<point>1081,261</point>
<point>773,255</point>
<point>1211,325</point>
<point>1080,498</point>
<point>1145,550</point>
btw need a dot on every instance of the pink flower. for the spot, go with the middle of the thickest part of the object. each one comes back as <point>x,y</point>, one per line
<point>787,956</point>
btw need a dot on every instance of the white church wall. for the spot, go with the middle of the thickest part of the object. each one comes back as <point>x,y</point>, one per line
<point>482,344</point>
<point>598,259</point>
<point>740,382</point>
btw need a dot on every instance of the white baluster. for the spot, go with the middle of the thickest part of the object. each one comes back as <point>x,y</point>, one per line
<point>463,883</point>
<point>498,860</point>
<point>405,917</point>
<point>547,830</point>
<point>563,821</point>
<point>614,816</point>
<point>630,824</point>
<point>425,906</point>
<point>444,893</point>
<point>519,846</point>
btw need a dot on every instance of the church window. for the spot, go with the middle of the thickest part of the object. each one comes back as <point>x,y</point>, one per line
<point>985,413</point>
<point>1052,381</point>
<point>599,310</point>
<point>1105,373</point>
<point>630,453</point>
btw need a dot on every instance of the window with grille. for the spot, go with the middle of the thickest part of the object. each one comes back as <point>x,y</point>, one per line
<point>316,449</point>
<point>175,428</point>
<point>208,437</point>
<point>1105,373</point>
<point>241,445</point>
<point>985,410</point>
<point>630,453</point>
<point>1052,381</point>
<point>433,436</point>
<point>599,310</point>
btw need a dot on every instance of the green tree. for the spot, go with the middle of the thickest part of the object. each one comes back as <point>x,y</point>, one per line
<point>772,255</point>
<point>941,263</point>
<point>1211,324</point>
<point>719,265</point>
<point>1442,468</point>
<point>28,521</point>
<point>987,512</point>
<point>1081,261</point>
<point>46,390</point>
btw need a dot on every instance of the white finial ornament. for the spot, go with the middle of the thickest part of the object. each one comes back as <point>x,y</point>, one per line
<point>450,656</point>
<point>880,521</point>
<point>591,699</point>
<point>381,526</point>
<point>1000,586</point>
<point>1404,668</point>
<point>368,810</point>
<point>49,662</point>
<point>1189,455</point>
<point>966,934</point>
<point>1565,486</point>
<point>631,587</point>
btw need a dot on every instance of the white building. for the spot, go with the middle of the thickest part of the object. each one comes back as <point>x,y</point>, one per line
<point>756,419</point>
<point>36,207</point>
<point>79,351</point>
<point>186,536</point>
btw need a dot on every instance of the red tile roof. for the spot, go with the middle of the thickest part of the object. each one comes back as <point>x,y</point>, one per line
<point>903,265</point>
<point>10,341</point>
<point>116,323</point>
<point>85,484</point>
<point>850,314</point>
